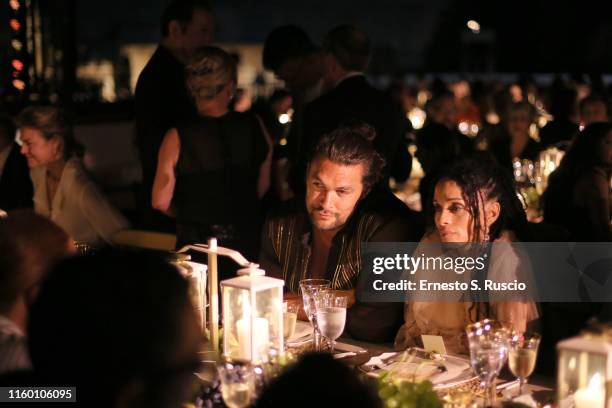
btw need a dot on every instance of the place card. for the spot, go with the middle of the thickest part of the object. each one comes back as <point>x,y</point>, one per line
<point>433,343</point>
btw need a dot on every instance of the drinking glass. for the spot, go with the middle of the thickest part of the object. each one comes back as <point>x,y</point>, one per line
<point>310,290</point>
<point>489,343</point>
<point>237,384</point>
<point>331,315</point>
<point>290,312</point>
<point>522,356</point>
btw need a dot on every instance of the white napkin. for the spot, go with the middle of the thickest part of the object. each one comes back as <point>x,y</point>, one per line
<point>347,354</point>
<point>379,360</point>
<point>526,399</point>
<point>454,367</point>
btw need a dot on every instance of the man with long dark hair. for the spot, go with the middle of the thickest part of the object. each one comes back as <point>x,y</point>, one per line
<point>320,236</point>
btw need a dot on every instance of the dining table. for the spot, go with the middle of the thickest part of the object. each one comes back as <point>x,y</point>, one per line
<point>538,392</point>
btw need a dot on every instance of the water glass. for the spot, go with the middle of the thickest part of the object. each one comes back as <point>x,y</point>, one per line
<point>489,342</point>
<point>310,290</point>
<point>237,384</point>
<point>331,315</point>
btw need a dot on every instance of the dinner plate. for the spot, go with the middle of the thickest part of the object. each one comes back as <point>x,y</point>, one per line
<point>344,347</point>
<point>458,371</point>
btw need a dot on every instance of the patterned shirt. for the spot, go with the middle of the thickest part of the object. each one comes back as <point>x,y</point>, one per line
<point>286,254</point>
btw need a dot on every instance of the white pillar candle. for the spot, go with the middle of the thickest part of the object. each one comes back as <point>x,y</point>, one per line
<point>591,397</point>
<point>260,334</point>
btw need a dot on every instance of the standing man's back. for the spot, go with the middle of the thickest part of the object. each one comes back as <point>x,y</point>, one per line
<point>351,98</point>
<point>162,99</point>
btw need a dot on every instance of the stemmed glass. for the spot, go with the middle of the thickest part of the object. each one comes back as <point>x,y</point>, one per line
<point>290,312</point>
<point>237,384</point>
<point>522,356</point>
<point>489,343</point>
<point>331,315</point>
<point>310,290</point>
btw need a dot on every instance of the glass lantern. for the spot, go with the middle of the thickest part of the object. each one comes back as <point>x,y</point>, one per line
<point>252,315</point>
<point>195,274</point>
<point>584,372</point>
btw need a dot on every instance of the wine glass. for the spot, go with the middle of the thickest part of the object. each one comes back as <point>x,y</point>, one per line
<point>310,290</point>
<point>331,315</point>
<point>489,343</point>
<point>522,356</point>
<point>290,312</point>
<point>237,384</point>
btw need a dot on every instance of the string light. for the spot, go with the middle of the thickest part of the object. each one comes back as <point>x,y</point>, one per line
<point>19,84</point>
<point>474,26</point>
<point>18,65</point>
<point>16,44</point>
<point>284,118</point>
<point>15,24</point>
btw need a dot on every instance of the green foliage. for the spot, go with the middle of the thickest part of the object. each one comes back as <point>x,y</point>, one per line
<point>402,394</point>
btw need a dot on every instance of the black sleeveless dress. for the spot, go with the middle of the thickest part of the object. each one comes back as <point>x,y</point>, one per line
<point>216,182</point>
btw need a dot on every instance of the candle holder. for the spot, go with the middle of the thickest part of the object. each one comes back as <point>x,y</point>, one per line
<point>252,307</point>
<point>252,315</point>
<point>196,275</point>
<point>585,370</point>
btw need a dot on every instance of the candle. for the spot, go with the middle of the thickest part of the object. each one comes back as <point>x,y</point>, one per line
<point>260,338</point>
<point>591,397</point>
<point>213,308</point>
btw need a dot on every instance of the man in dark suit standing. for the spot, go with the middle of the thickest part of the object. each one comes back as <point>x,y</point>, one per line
<point>161,98</point>
<point>15,183</point>
<point>291,54</point>
<point>352,99</point>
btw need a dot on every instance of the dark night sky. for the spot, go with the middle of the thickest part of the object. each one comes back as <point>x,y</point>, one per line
<point>536,35</point>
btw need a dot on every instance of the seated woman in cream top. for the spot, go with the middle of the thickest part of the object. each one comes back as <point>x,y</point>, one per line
<point>473,202</point>
<point>62,190</point>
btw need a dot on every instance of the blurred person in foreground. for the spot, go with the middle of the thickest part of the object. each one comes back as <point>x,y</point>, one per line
<point>161,98</point>
<point>329,383</point>
<point>320,235</point>
<point>30,245</point>
<point>118,326</point>
<point>473,203</point>
<point>63,191</point>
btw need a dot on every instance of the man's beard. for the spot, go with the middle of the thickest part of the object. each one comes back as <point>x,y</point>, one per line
<point>332,222</point>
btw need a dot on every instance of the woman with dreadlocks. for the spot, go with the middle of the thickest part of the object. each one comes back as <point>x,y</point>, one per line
<point>473,206</point>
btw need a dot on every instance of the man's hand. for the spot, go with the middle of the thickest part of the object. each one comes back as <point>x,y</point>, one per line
<point>350,294</point>
<point>293,297</point>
